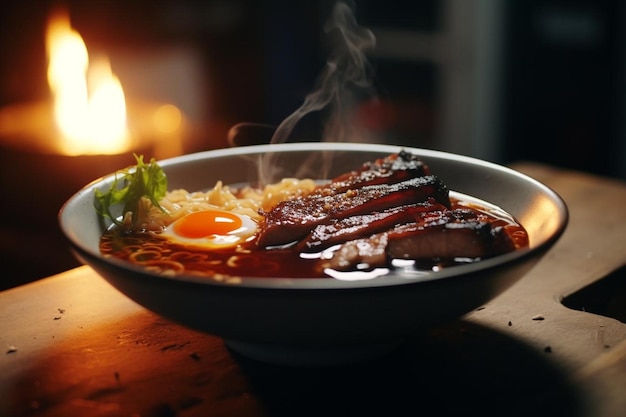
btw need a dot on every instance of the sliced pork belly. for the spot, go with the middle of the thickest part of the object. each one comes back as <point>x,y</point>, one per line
<point>391,169</point>
<point>459,233</point>
<point>342,230</point>
<point>292,220</point>
<point>365,253</point>
<point>463,239</point>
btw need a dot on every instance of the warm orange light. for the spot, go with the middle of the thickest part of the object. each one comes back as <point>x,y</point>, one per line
<point>167,118</point>
<point>89,103</point>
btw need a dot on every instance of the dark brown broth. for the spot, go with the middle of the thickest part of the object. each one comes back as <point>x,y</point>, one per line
<point>161,255</point>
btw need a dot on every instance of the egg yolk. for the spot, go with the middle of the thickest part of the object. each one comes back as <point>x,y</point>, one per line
<point>206,223</point>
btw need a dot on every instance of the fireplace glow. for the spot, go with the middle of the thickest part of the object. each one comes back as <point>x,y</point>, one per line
<point>89,102</point>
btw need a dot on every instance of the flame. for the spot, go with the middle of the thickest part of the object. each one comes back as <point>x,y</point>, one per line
<point>89,102</point>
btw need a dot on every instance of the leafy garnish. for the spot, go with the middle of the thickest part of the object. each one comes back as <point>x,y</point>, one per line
<point>128,188</point>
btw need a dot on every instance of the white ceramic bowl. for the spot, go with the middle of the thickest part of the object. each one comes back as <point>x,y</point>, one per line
<point>324,320</point>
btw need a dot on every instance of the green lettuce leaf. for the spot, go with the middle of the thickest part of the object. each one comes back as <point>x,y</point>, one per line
<point>128,188</point>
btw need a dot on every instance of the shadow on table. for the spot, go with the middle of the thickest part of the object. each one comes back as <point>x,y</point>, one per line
<point>461,369</point>
<point>145,365</point>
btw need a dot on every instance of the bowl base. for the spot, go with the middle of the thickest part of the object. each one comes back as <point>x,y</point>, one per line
<point>296,356</point>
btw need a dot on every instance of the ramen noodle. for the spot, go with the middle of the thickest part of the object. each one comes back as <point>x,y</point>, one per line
<point>247,201</point>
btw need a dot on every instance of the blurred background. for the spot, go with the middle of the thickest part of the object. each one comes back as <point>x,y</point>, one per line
<point>505,81</point>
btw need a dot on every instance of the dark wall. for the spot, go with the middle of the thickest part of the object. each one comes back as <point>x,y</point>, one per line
<point>564,84</point>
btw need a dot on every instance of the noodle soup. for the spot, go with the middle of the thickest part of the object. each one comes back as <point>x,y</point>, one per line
<point>163,256</point>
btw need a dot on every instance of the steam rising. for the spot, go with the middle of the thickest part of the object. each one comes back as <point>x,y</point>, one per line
<point>346,77</point>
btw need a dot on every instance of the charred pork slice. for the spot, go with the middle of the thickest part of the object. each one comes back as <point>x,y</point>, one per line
<point>340,231</point>
<point>391,169</point>
<point>459,233</point>
<point>292,220</point>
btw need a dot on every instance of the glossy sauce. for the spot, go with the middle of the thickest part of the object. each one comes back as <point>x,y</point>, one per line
<point>163,256</point>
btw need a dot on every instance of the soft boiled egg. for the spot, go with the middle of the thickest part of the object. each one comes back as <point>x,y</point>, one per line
<point>211,229</point>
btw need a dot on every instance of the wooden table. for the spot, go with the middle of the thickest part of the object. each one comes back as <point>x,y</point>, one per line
<point>74,346</point>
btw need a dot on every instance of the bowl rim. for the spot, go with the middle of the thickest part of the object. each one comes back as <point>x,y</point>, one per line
<point>388,280</point>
